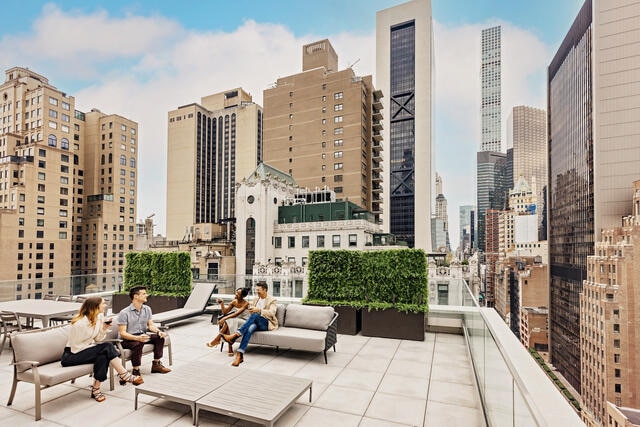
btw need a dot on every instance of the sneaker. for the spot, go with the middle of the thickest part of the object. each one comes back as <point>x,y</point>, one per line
<point>158,367</point>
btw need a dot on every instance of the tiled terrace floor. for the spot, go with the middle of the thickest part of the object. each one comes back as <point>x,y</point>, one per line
<point>367,382</point>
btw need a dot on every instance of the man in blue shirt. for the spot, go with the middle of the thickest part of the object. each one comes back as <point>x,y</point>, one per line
<point>134,322</point>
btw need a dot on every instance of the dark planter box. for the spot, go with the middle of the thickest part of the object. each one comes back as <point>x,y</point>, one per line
<point>158,303</point>
<point>349,319</point>
<point>391,323</point>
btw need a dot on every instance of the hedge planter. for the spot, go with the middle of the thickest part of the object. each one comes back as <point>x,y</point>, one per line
<point>391,323</point>
<point>349,319</point>
<point>158,303</point>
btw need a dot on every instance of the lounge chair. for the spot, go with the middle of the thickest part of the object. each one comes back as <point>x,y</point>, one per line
<point>195,306</point>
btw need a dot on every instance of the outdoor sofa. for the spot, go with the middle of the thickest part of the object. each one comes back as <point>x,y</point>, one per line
<point>301,327</point>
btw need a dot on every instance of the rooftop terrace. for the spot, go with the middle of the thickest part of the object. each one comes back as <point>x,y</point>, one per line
<point>367,382</point>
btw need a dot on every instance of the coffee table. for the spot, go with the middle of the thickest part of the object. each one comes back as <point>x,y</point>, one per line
<point>260,397</point>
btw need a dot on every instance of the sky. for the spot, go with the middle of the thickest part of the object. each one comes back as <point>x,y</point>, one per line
<point>142,59</point>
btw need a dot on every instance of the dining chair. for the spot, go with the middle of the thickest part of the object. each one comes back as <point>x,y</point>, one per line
<point>9,323</point>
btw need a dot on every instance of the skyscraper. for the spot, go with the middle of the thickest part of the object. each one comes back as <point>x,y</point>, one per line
<point>466,241</point>
<point>491,75</point>
<point>68,187</point>
<point>322,126</point>
<point>440,222</point>
<point>404,55</point>
<point>593,156</point>
<point>493,173</point>
<point>210,147</point>
<point>491,188</point>
<point>527,134</point>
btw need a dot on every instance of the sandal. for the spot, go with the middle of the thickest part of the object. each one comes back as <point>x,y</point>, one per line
<point>127,377</point>
<point>97,394</point>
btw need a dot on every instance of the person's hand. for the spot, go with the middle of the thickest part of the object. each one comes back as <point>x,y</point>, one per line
<point>162,334</point>
<point>219,300</point>
<point>107,324</point>
<point>144,338</point>
<point>254,310</point>
<point>220,323</point>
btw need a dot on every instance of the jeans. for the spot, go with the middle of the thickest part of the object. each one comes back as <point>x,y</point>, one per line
<point>100,355</point>
<point>255,322</point>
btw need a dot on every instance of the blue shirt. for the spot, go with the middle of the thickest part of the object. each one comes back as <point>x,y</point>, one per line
<point>136,321</point>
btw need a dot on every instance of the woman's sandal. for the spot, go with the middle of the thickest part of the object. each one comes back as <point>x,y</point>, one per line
<point>214,343</point>
<point>97,394</point>
<point>128,377</point>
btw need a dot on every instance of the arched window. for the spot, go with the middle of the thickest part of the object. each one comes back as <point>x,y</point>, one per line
<point>123,160</point>
<point>250,253</point>
<point>53,141</point>
<point>110,158</point>
<point>132,162</point>
<point>64,143</point>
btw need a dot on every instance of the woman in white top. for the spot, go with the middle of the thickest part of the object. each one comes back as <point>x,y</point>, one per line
<point>88,329</point>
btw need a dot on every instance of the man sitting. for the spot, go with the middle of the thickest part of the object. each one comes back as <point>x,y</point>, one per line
<point>133,323</point>
<point>263,318</point>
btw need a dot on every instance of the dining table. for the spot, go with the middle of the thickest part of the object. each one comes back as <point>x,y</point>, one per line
<point>41,309</point>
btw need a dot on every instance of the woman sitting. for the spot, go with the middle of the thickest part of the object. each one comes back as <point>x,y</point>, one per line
<point>88,329</point>
<point>232,319</point>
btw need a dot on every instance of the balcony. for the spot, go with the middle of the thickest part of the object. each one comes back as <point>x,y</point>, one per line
<point>470,370</point>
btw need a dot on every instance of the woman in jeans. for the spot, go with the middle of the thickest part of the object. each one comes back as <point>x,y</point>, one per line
<point>88,329</point>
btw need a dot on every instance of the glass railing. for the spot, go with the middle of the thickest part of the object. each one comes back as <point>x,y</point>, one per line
<point>65,285</point>
<point>513,389</point>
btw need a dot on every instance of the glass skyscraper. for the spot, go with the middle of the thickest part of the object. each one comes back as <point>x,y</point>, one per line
<point>491,89</point>
<point>403,63</point>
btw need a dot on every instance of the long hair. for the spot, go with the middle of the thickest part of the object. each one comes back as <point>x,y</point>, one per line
<point>90,308</point>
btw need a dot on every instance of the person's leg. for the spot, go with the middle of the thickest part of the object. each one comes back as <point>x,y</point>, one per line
<point>158,347</point>
<point>136,354</point>
<point>223,330</point>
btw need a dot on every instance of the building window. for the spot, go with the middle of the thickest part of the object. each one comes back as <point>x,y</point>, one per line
<point>338,190</point>
<point>291,241</point>
<point>616,328</point>
<point>337,107</point>
<point>338,119</point>
<point>618,388</point>
<point>338,95</point>
<point>616,358</point>
<point>616,343</point>
<point>305,241</point>
<point>337,155</point>
<point>617,373</point>
<point>335,239</point>
<point>353,240</point>
<point>338,131</point>
<point>337,166</point>
<point>337,143</point>
<point>277,242</point>
<point>320,241</point>
<point>337,178</point>
<point>53,141</point>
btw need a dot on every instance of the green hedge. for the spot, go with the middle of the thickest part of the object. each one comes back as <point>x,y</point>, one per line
<point>373,279</point>
<point>163,273</point>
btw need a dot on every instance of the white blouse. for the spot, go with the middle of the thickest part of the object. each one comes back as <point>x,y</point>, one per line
<point>84,335</point>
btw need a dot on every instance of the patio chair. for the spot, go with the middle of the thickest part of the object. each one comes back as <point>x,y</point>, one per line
<point>50,297</point>
<point>195,305</point>
<point>10,323</point>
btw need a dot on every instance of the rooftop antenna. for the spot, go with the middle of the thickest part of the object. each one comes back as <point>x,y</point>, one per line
<point>354,63</point>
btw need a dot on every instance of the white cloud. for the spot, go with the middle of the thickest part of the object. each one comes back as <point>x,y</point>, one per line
<point>143,67</point>
<point>457,100</point>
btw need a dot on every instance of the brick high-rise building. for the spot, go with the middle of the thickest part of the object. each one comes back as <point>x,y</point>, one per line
<point>68,187</point>
<point>211,146</point>
<point>610,320</point>
<point>322,126</point>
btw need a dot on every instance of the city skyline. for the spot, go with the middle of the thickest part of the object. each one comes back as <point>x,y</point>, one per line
<point>144,59</point>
